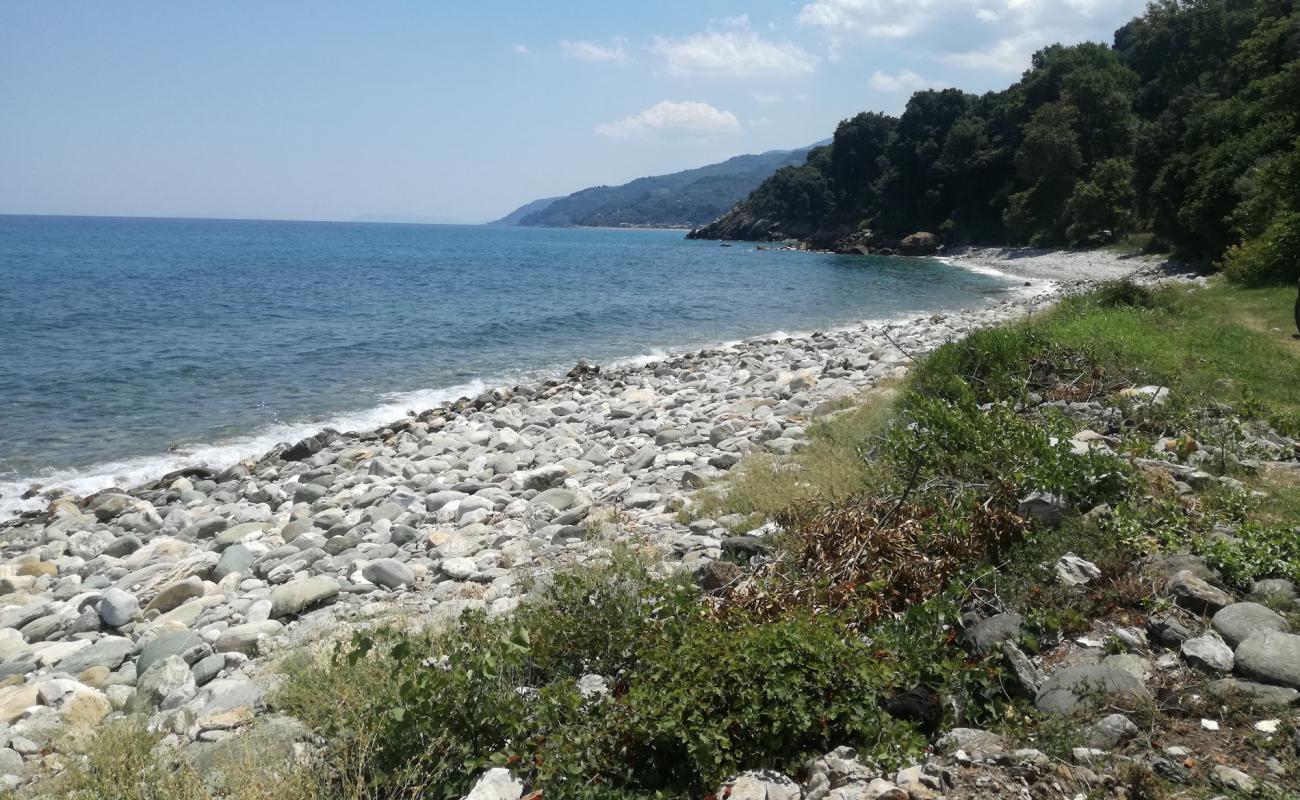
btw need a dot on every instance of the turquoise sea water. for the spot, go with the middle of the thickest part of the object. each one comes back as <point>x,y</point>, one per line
<point>132,346</point>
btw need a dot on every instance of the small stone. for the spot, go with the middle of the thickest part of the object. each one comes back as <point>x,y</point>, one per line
<point>177,592</point>
<point>117,607</point>
<point>1074,571</point>
<point>1209,725</point>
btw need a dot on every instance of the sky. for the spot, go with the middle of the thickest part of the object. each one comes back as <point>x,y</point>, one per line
<point>459,111</point>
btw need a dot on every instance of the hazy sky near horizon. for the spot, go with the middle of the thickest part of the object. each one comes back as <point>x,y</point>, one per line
<point>334,110</point>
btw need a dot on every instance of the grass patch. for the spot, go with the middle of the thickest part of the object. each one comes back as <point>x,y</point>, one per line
<point>833,465</point>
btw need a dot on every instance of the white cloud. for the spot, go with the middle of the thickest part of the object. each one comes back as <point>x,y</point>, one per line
<point>595,51</point>
<point>1010,54</point>
<point>668,117</point>
<point>522,49</point>
<point>904,81</point>
<point>889,19</point>
<point>739,52</point>
<point>963,29</point>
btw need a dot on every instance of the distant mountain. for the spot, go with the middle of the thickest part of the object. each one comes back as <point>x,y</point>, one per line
<point>527,208</point>
<point>681,200</point>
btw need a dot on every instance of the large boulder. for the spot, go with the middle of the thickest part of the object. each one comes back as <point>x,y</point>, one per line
<point>919,244</point>
<point>1240,621</point>
<point>1270,657</point>
<point>1074,688</point>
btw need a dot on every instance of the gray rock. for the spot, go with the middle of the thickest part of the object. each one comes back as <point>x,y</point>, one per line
<point>544,478</point>
<point>11,763</point>
<point>117,608</point>
<point>1196,594</point>
<point>1044,508</point>
<point>167,682</point>
<point>177,592</point>
<point>1276,589</point>
<point>1168,630</point>
<point>1232,778</point>
<point>985,636</point>
<point>1261,695</point>
<point>1208,653</point>
<point>1025,676</point>
<point>187,645</point>
<point>714,575</point>
<point>236,559</point>
<point>1109,732</point>
<point>1074,688</point>
<point>1074,571</point>
<point>973,740</point>
<point>297,596</point>
<point>246,638</point>
<point>1270,657</point>
<point>760,785</point>
<point>109,653</point>
<point>208,668</point>
<point>388,573</point>
<point>1238,622</point>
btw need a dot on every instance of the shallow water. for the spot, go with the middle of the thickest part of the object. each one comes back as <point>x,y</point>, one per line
<point>132,346</point>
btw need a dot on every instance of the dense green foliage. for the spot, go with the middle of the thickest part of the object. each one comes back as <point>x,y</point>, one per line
<point>1186,127</point>
<point>681,199</point>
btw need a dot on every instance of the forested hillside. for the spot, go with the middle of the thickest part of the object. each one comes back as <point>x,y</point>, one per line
<point>1185,129</point>
<point>681,199</point>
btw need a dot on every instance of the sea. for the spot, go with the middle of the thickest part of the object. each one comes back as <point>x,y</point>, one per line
<point>130,347</point>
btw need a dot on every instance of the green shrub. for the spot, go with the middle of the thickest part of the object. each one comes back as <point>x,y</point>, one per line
<point>1256,551</point>
<point>998,449</point>
<point>1271,257</point>
<point>1123,294</point>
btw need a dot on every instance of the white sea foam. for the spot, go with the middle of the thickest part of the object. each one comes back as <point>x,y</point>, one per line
<point>219,455</point>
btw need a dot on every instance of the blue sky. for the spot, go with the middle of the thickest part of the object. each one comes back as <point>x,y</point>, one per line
<point>334,110</point>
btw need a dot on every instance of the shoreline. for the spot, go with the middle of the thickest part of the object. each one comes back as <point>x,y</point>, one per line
<point>209,577</point>
<point>1036,267</point>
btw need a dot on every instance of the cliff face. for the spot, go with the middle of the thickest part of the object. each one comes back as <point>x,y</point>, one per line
<point>741,224</point>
